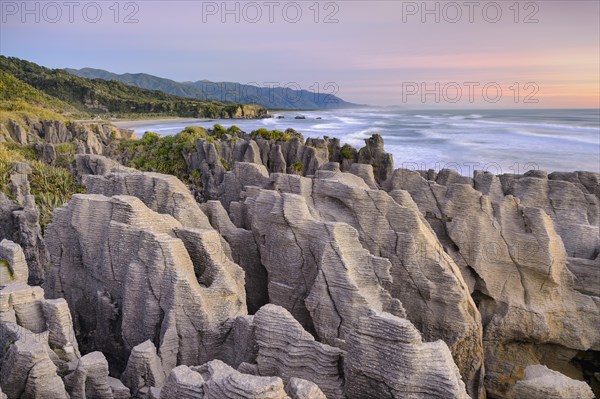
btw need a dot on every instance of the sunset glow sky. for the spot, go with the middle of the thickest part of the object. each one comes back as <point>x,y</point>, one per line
<point>373,51</point>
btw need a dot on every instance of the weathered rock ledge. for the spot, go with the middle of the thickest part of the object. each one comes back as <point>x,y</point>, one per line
<point>341,280</point>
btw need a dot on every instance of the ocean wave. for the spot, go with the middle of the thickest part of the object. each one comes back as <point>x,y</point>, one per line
<point>357,139</point>
<point>323,126</point>
<point>348,121</point>
<point>551,126</point>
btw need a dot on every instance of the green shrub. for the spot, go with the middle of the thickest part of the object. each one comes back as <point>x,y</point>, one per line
<point>26,152</point>
<point>4,265</point>
<point>65,155</point>
<point>154,153</point>
<point>149,138</point>
<point>52,186</point>
<point>218,131</point>
<point>226,166</point>
<point>195,177</point>
<point>276,135</point>
<point>234,130</point>
<point>347,151</point>
<point>298,167</point>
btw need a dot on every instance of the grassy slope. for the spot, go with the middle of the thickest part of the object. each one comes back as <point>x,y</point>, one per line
<point>106,98</point>
<point>19,100</point>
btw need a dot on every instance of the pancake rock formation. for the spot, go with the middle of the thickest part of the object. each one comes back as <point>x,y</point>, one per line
<point>309,270</point>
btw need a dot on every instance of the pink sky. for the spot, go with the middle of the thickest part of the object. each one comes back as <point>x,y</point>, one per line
<point>374,49</point>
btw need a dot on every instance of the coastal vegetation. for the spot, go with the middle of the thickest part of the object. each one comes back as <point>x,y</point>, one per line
<point>82,97</point>
<point>51,185</point>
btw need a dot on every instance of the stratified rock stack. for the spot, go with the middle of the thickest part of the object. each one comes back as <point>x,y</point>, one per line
<point>20,221</point>
<point>144,370</point>
<point>112,257</point>
<point>424,278</point>
<point>286,350</point>
<point>217,380</point>
<point>161,193</point>
<point>541,382</point>
<point>570,200</point>
<point>27,371</point>
<point>301,389</point>
<point>309,282</point>
<point>244,251</point>
<point>88,137</point>
<point>90,379</point>
<point>387,359</point>
<point>318,271</point>
<point>213,159</point>
<point>374,154</point>
<point>516,265</point>
<point>36,334</point>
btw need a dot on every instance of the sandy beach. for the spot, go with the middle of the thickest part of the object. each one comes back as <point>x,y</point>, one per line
<point>132,124</point>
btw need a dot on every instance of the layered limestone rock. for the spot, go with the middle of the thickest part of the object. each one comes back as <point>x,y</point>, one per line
<point>243,174</point>
<point>20,222</point>
<point>112,257</point>
<point>164,194</point>
<point>425,279</point>
<point>244,251</point>
<point>572,206</point>
<point>387,358</point>
<point>214,159</point>
<point>8,225</point>
<point>516,265</point>
<point>91,380</point>
<point>98,165</point>
<point>217,380</point>
<point>288,351</point>
<point>144,370</point>
<point>19,182</point>
<point>88,137</point>
<point>374,154</point>
<point>318,271</point>
<point>28,372</point>
<point>302,389</point>
<point>365,172</point>
<point>541,382</point>
<point>31,240</point>
<point>13,266</point>
<point>60,328</point>
<point>36,334</point>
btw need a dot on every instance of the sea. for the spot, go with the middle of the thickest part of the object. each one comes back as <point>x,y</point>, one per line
<point>499,141</point>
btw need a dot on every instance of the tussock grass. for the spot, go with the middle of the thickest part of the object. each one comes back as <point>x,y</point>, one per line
<point>52,186</point>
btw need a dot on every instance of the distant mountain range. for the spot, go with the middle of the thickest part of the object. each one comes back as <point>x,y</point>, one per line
<point>271,98</point>
<point>97,97</point>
